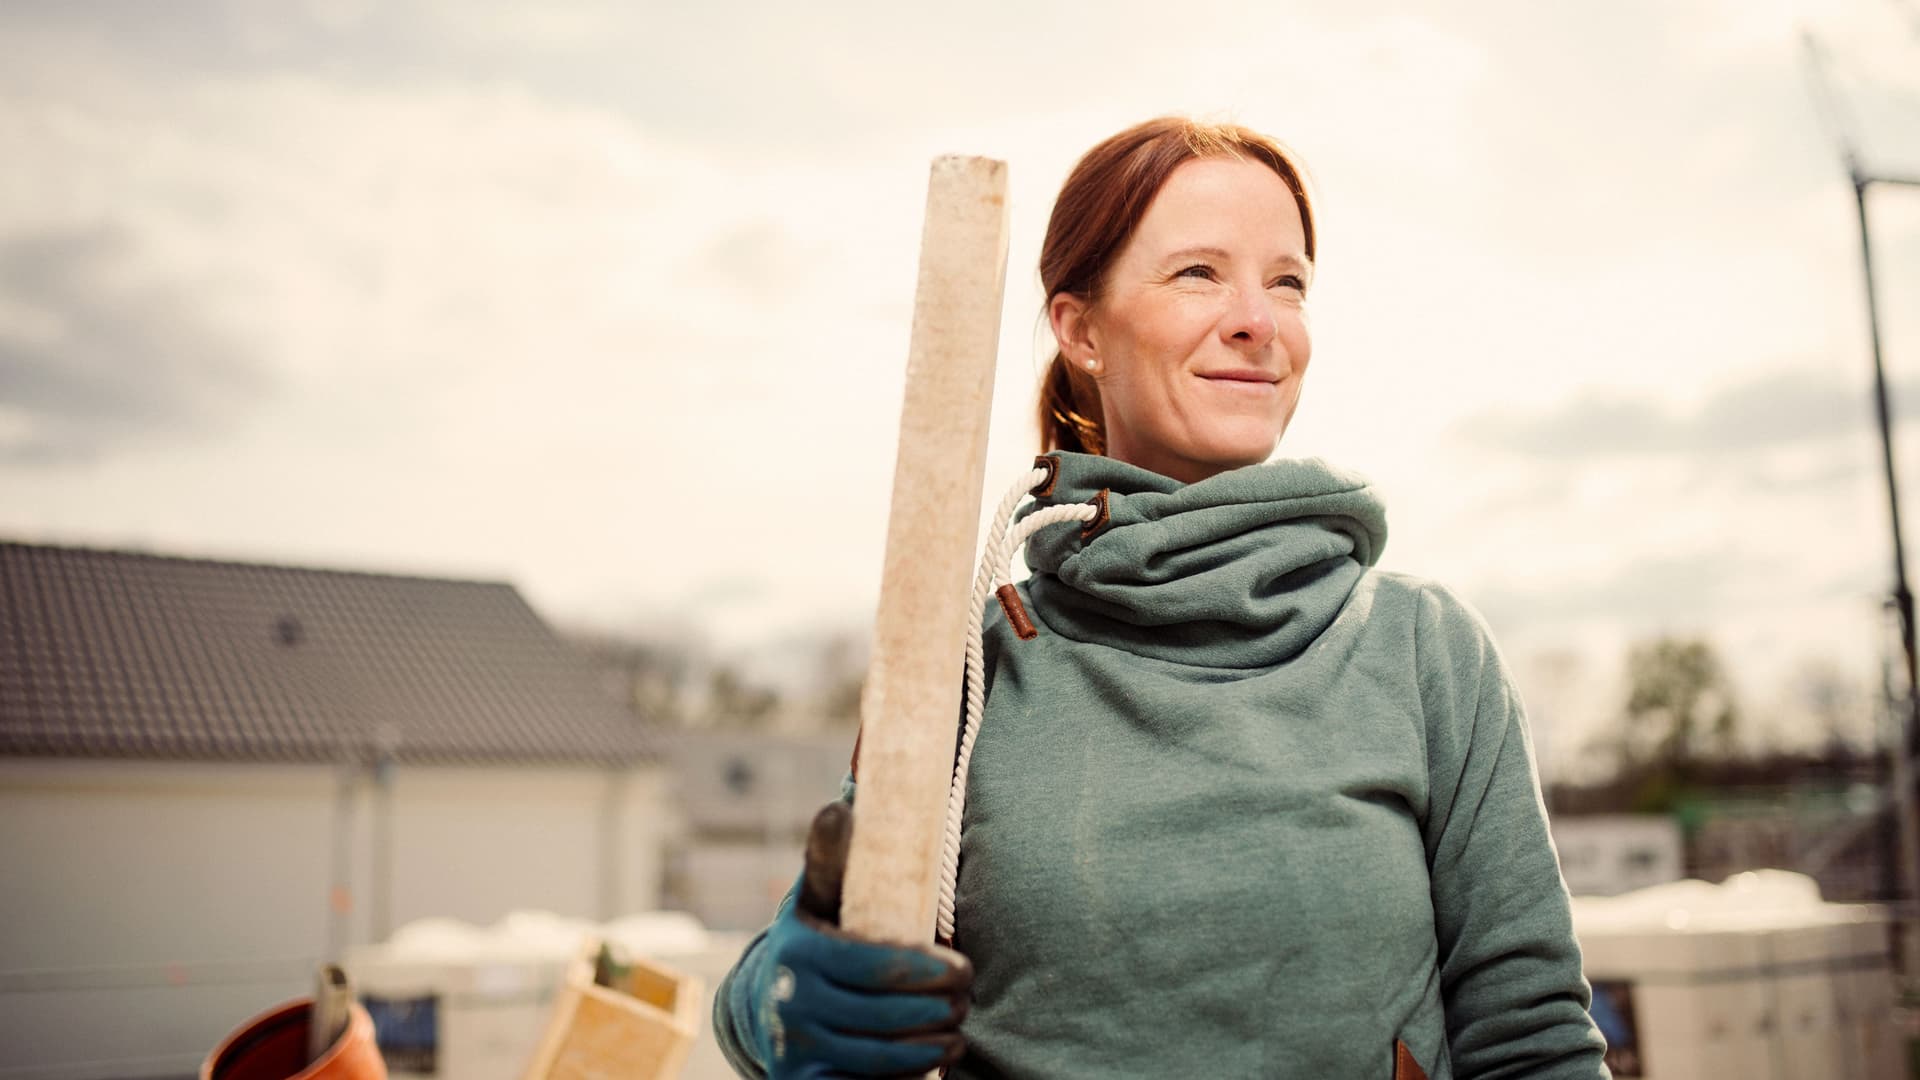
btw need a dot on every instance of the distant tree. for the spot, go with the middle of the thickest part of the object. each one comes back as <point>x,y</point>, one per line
<point>1680,704</point>
<point>840,705</point>
<point>843,669</point>
<point>1841,707</point>
<point>1683,746</point>
<point>1553,683</point>
<point>649,674</point>
<point>1679,714</point>
<point>733,702</point>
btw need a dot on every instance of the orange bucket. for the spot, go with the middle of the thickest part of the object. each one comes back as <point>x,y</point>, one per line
<point>273,1046</point>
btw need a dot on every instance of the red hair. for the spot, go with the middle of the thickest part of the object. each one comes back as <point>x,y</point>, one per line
<point>1096,213</point>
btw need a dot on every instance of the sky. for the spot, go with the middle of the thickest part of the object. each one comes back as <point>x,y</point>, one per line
<point>611,300</point>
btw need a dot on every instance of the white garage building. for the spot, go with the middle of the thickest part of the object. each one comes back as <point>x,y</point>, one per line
<point>214,775</point>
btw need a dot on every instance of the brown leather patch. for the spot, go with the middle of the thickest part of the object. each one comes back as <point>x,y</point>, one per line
<point>1045,487</point>
<point>1099,519</point>
<point>1404,1067</point>
<point>1016,613</point>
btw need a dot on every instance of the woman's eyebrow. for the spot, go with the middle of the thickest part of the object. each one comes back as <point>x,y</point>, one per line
<point>1200,252</point>
<point>1207,252</point>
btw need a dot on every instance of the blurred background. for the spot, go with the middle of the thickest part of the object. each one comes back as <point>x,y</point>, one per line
<point>444,447</point>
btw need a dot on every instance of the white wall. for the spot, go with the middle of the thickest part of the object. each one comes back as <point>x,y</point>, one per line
<point>150,907</point>
<point>1608,854</point>
<point>460,834</point>
<point>737,886</point>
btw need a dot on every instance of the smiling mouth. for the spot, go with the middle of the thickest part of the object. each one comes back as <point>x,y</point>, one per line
<point>1248,380</point>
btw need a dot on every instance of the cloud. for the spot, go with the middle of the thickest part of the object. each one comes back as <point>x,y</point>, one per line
<point>757,258</point>
<point>1796,406</point>
<point>93,360</point>
<point>1650,590</point>
<point>1821,473</point>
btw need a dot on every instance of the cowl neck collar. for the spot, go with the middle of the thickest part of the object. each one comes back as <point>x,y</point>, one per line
<point>1241,570</point>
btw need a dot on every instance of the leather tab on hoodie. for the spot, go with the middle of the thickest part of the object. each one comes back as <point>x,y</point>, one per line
<point>1404,1066</point>
<point>1016,612</point>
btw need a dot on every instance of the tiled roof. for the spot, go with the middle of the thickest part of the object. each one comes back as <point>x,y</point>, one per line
<point>114,654</point>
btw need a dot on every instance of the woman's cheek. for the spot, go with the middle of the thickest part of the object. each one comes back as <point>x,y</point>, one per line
<point>1299,341</point>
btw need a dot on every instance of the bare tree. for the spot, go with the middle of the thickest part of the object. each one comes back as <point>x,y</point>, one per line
<point>1679,715</point>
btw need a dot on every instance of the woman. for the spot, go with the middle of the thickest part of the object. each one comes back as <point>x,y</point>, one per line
<point>1240,804</point>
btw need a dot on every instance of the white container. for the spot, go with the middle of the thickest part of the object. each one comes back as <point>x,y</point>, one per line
<point>1755,978</point>
<point>453,1017</point>
<point>452,1000</point>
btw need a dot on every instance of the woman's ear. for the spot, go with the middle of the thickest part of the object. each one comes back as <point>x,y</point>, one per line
<point>1072,319</point>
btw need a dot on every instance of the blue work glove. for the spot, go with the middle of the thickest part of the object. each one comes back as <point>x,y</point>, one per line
<point>815,1001</point>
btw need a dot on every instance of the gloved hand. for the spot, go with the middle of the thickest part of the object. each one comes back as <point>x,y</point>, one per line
<point>825,1003</point>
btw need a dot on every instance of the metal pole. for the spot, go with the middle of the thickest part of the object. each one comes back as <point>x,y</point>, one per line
<point>340,876</point>
<point>380,894</point>
<point>1902,594</point>
<point>1906,722</point>
<point>613,846</point>
<point>1909,719</point>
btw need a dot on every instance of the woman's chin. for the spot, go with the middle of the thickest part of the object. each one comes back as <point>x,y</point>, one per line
<point>1234,449</point>
<point>1229,443</point>
<point>1224,456</point>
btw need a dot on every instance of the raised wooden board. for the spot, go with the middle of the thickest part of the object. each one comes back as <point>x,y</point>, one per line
<point>910,711</point>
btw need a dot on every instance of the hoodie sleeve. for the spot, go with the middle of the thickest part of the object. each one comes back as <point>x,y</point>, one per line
<point>1510,976</point>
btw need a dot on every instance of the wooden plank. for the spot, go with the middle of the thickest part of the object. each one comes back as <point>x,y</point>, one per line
<point>910,709</point>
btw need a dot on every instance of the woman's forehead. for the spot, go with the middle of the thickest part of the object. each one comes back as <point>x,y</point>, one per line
<point>1229,207</point>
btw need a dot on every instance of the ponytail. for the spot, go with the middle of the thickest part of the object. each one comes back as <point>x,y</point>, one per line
<point>1070,415</point>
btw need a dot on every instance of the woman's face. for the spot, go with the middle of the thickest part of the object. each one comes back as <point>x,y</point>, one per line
<point>1199,339</point>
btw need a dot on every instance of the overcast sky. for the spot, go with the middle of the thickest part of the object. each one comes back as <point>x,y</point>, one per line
<point>611,299</point>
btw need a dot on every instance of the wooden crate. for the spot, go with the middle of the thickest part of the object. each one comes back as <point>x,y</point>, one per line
<point>639,1029</point>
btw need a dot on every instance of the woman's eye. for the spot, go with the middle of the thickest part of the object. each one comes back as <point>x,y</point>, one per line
<point>1290,281</point>
<point>1199,270</point>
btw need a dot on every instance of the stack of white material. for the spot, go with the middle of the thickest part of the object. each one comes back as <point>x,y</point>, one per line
<point>1754,978</point>
<point>457,1000</point>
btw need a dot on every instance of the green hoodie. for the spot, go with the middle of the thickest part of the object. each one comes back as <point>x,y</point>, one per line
<point>1246,807</point>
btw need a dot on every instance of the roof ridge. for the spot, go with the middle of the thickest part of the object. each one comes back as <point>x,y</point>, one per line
<point>254,564</point>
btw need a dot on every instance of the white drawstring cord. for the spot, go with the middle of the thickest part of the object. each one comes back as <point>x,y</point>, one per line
<point>996,569</point>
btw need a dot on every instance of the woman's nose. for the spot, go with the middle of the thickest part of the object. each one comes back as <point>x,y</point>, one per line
<point>1249,322</point>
